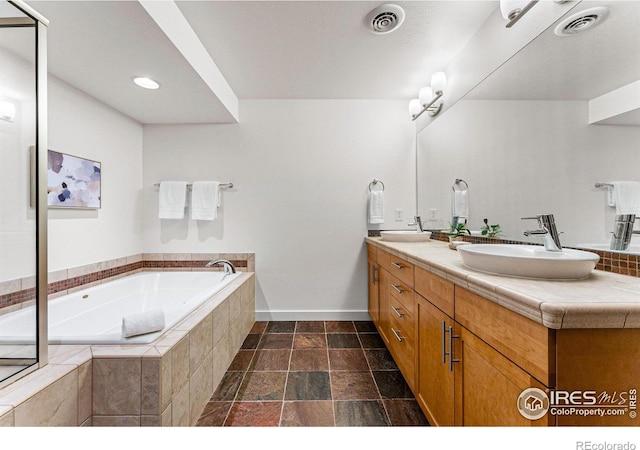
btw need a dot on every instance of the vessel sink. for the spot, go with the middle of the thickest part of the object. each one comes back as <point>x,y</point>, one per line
<point>405,236</point>
<point>528,261</point>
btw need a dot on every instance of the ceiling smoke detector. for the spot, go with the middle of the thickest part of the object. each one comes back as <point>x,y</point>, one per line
<point>581,21</point>
<point>385,19</point>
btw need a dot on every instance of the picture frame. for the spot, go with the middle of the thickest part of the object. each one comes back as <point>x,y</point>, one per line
<point>73,182</point>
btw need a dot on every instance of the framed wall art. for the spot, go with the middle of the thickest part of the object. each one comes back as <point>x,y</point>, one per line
<point>73,182</point>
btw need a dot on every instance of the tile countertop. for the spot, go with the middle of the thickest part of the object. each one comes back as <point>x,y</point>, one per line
<point>604,300</point>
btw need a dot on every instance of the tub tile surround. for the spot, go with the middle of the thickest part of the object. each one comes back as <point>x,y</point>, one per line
<point>604,300</point>
<point>614,262</point>
<point>18,293</point>
<point>164,383</point>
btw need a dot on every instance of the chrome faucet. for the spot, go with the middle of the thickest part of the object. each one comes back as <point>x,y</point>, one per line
<point>547,229</point>
<point>417,222</point>
<point>228,267</point>
<point>622,231</point>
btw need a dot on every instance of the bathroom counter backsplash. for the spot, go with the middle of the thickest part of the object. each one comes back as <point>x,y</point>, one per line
<point>604,300</point>
<point>18,293</point>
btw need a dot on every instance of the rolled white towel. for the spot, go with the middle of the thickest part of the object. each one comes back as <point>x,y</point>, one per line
<point>143,323</point>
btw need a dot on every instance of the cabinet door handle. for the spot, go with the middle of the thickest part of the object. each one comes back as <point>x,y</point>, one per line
<point>398,313</point>
<point>444,342</point>
<point>398,288</point>
<point>451,357</point>
<point>374,273</point>
<point>397,335</point>
<point>399,266</point>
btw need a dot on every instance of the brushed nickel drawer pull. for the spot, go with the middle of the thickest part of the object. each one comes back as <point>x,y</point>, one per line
<point>399,266</point>
<point>452,359</point>
<point>396,311</point>
<point>397,335</point>
<point>398,288</point>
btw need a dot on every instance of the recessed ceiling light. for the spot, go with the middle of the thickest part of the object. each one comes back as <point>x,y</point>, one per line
<point>146,83</point>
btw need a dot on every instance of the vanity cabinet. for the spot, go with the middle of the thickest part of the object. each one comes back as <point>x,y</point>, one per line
<point>465,358</point>
<point>468,359</point>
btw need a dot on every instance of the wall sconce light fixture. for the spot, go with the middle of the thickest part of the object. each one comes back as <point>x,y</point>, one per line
<point>429,97</point>
<point>7,111</point>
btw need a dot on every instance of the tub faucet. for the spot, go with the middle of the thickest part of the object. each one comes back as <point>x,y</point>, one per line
<point>547,229</point>
<point>417,222</point>
<point>228,267</point>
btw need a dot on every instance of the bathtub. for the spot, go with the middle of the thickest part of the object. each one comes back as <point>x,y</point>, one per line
<point>94,315</point>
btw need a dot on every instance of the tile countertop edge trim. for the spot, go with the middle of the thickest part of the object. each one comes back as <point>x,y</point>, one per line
<point>561,315</point>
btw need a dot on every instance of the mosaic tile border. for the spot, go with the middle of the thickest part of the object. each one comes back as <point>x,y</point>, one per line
<point>613,262</point>
<point>13,296</point>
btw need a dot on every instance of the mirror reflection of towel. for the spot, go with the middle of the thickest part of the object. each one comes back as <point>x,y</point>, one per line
<point>460,204</point>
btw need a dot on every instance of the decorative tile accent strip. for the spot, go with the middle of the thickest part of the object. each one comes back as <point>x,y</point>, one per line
<point>242,261</point>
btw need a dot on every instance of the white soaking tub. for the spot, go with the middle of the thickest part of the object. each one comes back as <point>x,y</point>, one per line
<point>94,315</point>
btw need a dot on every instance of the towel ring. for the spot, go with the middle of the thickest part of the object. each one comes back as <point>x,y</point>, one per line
<point>458,181</point>
<point>374,182</point>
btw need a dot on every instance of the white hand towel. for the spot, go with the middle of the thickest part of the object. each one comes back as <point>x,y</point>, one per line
<point>376,207</point>
<point>205,200</point>
<point>626,197</point>
<point>143,323</point>
<point>460,204</point>
<point>172,199</point>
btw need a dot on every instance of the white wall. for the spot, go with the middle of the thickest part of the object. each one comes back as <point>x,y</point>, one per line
<point>301,170</point>
<point>82,126</point>
<point>522,158</point>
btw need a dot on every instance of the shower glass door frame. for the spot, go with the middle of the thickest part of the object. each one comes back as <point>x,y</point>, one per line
<point>32,19</point>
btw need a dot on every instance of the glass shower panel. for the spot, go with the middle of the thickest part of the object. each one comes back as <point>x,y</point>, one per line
<point>18,245</point>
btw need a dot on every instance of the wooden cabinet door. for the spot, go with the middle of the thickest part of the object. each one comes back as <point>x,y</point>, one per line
<point>435,390</point>
<point>487,385</point>
<point>374,292</point>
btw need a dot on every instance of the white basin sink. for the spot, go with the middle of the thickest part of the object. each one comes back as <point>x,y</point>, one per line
<point>528,261</point>
<point>405,236</point>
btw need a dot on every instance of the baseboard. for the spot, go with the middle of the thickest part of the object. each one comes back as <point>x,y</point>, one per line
<point>282,315</point>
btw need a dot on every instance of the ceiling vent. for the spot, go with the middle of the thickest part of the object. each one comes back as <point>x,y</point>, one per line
<point>582,21</point>
<point>385,19</point>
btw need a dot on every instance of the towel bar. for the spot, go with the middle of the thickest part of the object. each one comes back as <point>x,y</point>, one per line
<point>604,185</point>
<point>222,185</point>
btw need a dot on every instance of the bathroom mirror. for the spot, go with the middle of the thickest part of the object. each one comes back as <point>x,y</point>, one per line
<point>21,253</point>
<point>522,141</point>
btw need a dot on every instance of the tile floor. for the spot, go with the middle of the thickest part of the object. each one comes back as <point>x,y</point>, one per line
<point>313,374</point>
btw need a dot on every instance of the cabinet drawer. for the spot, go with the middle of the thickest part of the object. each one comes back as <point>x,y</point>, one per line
<point>436,289</point>
<point>401,345</point>
<point>401,269</point>
<point>403,319</point>
<point>403,295</point>
<point>528,344</point>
